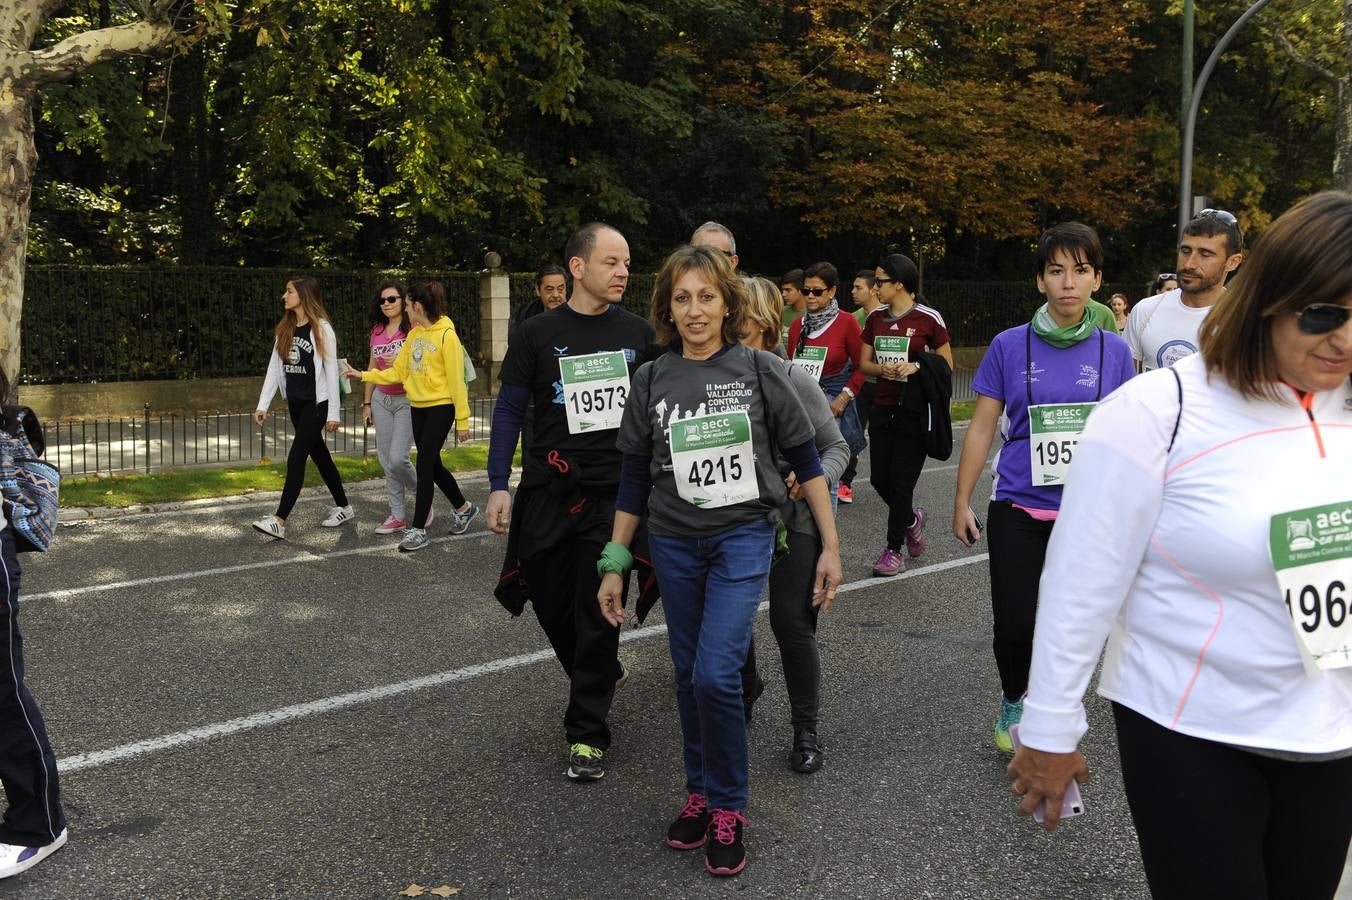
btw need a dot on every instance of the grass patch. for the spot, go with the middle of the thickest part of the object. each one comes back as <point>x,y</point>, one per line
<point>194,484</point>
<point>962,412</point>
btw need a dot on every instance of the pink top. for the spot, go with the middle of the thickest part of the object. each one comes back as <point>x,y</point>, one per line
<point>385,346</point>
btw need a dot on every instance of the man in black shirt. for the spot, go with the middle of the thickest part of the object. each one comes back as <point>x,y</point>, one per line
<point>574,362</point>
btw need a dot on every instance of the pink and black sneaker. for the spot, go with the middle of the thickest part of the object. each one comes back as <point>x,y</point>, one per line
<point>691,828</point>
<point>725,851</point>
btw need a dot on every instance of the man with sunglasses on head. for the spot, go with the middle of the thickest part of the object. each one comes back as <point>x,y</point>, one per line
<point>1163,329</point>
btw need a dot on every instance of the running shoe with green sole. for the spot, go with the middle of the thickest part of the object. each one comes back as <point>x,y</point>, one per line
<point>1010,714</point>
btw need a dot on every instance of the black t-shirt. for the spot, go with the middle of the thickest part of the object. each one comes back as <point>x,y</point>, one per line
<point>299,366</point>
<point>532,362</point>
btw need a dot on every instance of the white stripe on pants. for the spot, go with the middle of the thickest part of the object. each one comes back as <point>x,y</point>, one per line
<point>394,440</point>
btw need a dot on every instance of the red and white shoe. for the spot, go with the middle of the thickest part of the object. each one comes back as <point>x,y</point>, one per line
<point>391,525</point>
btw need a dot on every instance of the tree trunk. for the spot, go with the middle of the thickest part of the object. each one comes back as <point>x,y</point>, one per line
<point>18,158</point>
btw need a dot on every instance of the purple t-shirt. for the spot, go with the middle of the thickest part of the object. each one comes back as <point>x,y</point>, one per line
<point>385,346</point>
<point>1088,371</point>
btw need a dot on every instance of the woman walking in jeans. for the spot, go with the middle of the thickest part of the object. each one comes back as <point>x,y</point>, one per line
<point>701,429</point>
<point>304,367</point>
<point>387,404</point>
<point>431,367</point>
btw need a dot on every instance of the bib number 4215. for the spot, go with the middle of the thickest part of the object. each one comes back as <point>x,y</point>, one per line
<point>706,473</point>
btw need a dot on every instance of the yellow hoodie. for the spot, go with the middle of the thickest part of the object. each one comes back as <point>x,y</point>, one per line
<point>431,366</point>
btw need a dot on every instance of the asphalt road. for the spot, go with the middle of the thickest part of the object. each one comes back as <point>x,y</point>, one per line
<point>327,718</point>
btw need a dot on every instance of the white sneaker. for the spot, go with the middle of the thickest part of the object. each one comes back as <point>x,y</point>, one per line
<point>15,858</point>
<point>338,515</point>
<point>271,527</point>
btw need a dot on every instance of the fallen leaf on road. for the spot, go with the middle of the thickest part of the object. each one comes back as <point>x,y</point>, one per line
<point>445,890</point>
<point>413,890</point>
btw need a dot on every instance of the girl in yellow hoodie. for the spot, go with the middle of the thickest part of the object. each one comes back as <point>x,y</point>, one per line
<point>431,367</point>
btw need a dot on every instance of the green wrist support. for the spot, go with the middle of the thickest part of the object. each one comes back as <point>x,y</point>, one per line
<point>615,558</point>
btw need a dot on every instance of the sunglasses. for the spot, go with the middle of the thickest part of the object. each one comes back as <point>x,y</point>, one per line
<point>815,292</point>
<point>1166,276</point>
<point>1321,318</point>
<point>395,298</point>
<point>878,281</point>
<point>1218,214</point>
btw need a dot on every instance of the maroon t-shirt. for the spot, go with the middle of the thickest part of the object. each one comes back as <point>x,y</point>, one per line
<point>927,331</point>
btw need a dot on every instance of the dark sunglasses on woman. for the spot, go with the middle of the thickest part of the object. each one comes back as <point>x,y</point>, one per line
<point>1321,318</point>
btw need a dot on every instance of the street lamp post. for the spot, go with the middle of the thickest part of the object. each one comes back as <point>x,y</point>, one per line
<point>1190,124</point>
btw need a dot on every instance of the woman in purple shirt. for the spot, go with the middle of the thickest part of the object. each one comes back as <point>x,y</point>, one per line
<point>1044,378</point>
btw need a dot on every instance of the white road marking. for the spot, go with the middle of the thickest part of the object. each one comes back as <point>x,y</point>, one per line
<point>99,758</point>
<point>68,593</point>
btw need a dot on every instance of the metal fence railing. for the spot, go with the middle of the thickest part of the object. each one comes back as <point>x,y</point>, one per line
<point>92,323</point>
<point>154,442</point>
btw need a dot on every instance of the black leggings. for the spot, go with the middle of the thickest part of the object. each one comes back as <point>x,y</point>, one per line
<point>308,420</point>
<point>794,622</point>
<point>897,454</point>
<point>1018,545</point>
<point>1216,821</point>
<point>431,424</point>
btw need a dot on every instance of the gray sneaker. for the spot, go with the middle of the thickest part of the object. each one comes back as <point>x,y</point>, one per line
<point>460,520</point>
<point>414,540</point>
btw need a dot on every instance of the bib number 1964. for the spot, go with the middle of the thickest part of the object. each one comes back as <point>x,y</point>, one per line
<point>1311,553</point>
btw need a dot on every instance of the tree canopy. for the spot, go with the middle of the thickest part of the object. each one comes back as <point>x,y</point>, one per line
<point>415,133</point>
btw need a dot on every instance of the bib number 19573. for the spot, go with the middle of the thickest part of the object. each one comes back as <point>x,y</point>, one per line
<point>595,388</point>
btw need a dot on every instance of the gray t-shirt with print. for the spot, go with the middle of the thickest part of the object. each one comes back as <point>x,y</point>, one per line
<point>671,389</point>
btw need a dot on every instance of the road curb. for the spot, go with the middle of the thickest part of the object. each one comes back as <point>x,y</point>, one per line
<point>376,486</point>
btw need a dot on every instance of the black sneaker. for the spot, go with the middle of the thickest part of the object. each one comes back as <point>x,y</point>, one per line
<point>691,827</point>
<point>725,852</point>
<point>584,763</point>
<point>807,754</point>
<point>748,700</point>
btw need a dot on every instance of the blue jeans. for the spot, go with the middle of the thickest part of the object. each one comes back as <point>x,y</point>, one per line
<point>710,589</point>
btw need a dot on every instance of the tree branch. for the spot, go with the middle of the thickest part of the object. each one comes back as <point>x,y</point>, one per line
<point>1300,59</point>
<point>78,52</point>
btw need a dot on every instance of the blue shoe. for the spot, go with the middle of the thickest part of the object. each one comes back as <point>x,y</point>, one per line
<point>1010,714</point>
<point>460,520</point>
<point>413,540</point>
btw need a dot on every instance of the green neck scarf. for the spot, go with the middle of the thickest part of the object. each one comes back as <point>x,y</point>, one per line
<point>1061,336</point>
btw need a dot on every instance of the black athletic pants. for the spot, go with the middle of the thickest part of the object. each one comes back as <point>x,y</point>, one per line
<point>563,583</point>
<point>863,404</point>
<point>431,424</point>
<point>1018,545</point>
<point>27,765</point>
<point>1216,821</point>
<point>307,421</point>
<point>794,622</point>
<point>896,438</point>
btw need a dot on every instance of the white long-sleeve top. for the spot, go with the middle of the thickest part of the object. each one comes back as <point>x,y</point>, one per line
<point>326,374</point>
<point>1164,553</point>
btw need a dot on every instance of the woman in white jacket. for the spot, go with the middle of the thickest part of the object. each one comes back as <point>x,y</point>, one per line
<point>308,380</point>
<point>1226,482</point>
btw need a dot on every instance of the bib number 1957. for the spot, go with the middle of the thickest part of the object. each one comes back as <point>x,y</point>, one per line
<point>1054,431</point>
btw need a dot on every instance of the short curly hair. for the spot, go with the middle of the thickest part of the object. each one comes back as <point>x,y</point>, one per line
<point>718,270</point>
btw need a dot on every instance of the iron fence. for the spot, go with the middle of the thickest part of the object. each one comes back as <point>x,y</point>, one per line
<point>91,323</point>
<point>153,442</point>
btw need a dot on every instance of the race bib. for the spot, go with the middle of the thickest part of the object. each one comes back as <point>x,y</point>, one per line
<point>811,360</point>
<point>713,460</point>
<point>595,387</point>
<point>1312,555</point>
<point>1054,431</point>
<point>888,350</point>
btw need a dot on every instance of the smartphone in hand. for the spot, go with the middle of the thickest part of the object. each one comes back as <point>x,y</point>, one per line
<point>1072,804</point>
